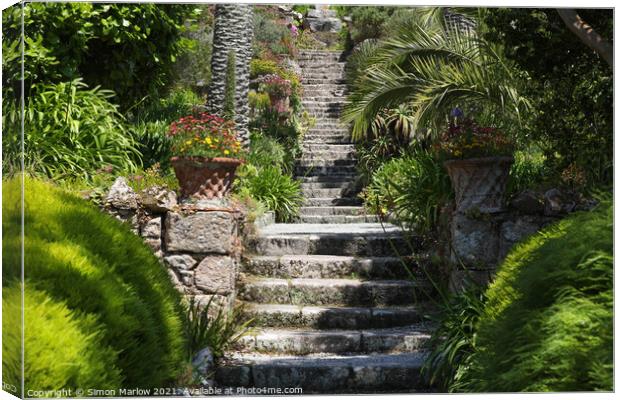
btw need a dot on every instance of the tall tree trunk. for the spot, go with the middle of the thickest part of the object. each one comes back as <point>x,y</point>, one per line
<point>233,31</point>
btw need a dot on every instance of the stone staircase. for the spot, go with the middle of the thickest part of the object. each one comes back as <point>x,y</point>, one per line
<point>327,168</point>
<point>335,309</point>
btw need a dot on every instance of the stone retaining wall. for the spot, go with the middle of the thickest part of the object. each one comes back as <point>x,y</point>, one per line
<point>200,244</point>
<point>479,242</point>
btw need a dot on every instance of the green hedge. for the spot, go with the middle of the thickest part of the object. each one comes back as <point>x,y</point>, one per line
<point>94,290</point>
<point>547,324</point>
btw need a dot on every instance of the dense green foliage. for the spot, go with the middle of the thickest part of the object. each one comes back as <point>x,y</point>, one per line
<point>411,188</point>
<point>70,130</point>
<point>547,323</point>
<point>569,85</point>
<point>150,123</point>
<point>96,283</point>
<point>192,68</point>
<point>278,191</point>
<point>453,342</point>
<point>529,171</point>
<point>129,49</point>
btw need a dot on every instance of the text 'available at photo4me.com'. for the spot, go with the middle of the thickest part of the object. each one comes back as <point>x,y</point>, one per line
<point>121,392</point>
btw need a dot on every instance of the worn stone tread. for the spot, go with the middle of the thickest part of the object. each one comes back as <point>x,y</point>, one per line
<point>322,291</point>
<point>288,315</point>
<point>325,373</point>
<point>304,341</point>
<point>330,266</point>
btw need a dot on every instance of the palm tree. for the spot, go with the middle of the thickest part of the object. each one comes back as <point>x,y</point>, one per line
<point>436,61</point>
<point>232,32</point>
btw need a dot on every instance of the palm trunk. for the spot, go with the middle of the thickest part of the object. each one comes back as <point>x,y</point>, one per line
<point>233,30</point>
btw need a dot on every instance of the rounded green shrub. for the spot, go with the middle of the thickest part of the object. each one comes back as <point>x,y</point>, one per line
<point>63,349</point>
<point>93,274</point>
<point>548,320</point>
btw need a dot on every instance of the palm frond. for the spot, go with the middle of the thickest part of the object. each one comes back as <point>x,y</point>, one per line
<point>433,66</point>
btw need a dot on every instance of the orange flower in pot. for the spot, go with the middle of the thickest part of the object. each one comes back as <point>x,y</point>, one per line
<point>207,154</point>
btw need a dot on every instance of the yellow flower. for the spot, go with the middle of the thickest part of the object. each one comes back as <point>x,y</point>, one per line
<point>226,152</point>
<point>188,142</point>
<point>208,140</point>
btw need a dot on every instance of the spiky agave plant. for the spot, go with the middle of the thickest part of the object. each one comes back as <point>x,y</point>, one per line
<point>432,65</point>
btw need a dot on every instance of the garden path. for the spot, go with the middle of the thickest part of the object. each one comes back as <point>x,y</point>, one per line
<point>335,308</point>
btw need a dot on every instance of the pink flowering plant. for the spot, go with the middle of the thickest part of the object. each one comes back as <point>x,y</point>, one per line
<point>276,86</point>
<point>466,139</point>
<point>204,135</point>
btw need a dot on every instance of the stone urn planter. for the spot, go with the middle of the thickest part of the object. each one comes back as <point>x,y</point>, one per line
<point>479,183</point>
<point>204,178</point>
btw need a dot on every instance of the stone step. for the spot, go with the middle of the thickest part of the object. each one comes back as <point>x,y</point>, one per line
<point>352,318</point>
<point>326,185</point>
<point>332,210</point>
<point>326,134</point>
<point>327,155</point>
<point>332,201</point>
<point>328,128</point>
<point>343,244</point>
<point>336,68</point>
<point>331,114</point>
<point>335,92</point>
<point>325,373</point>
<point>336,219</point>
<point>323,87</point>
<point>328,74</point>
<point>314,81</point>
<point>323,192</point>
<point>347,177</point>
<point>329,266</point>
<point>319,59</point>
<point>308,64</point>
<point>333,292</point>
<point>311,147</point>
<point>329,103</point>
<point>329,140</point>
<point>303,342</point>
<point>319,163</point>
<point>332,111</point>
<point>322,99</point>
<point>313,170</point>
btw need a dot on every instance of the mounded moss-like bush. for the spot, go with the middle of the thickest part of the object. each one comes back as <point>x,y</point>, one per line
<point>63,349</point>
<point>547,324</point>
<point>87,272</point>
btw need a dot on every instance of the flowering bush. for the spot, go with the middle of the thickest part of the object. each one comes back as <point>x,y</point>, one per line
<point>204,135</point>
<point>276,86</point>
<point>466,139</point>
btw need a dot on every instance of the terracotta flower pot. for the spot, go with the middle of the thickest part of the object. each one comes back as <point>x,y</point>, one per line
<point>479,182</point>
<point>205,178</point>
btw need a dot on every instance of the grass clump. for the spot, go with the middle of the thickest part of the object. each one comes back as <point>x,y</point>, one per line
<point>217,329</point>
<point>413,188</point>
<point>88,273</point>
<point>547,323</point>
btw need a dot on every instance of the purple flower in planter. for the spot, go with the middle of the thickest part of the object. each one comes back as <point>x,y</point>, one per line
<point>456,113</point>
